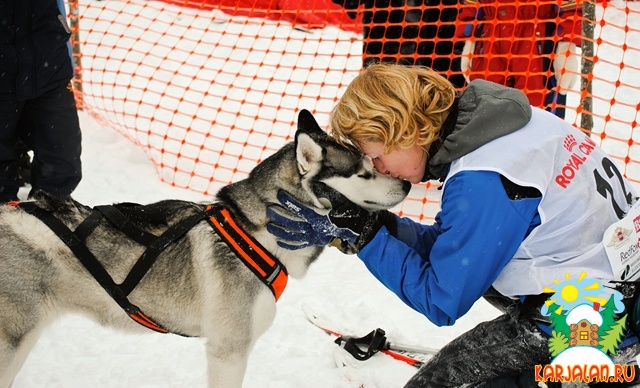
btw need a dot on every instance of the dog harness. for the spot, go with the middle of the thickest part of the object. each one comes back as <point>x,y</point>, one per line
<point>263,264</point>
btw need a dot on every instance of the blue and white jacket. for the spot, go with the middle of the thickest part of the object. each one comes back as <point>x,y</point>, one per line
<point>482,236</point>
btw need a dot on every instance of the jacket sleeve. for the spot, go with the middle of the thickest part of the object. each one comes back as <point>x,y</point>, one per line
<point>417,236</point>
<point>476,233</point>
<point>469,10</point>
<point>569,27</point>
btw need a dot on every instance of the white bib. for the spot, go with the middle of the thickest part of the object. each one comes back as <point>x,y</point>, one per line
<point>583,193</point>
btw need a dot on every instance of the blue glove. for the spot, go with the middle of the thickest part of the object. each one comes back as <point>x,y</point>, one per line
<point>298,226</point>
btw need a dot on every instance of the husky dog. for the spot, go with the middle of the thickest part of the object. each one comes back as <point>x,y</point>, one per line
<point>195,284</point>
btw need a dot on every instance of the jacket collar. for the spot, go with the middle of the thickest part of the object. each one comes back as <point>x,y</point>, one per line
<point>446,129</point>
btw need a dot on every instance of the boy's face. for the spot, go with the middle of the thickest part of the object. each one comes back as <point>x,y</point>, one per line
<point>408,164</point>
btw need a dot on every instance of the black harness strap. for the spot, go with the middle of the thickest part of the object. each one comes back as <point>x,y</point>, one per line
<point>87,226</point>
<point>127,227</point>
<point>264,265</point>
<point>174,233</point>
<point>77,247</point>
<point>119,292</point>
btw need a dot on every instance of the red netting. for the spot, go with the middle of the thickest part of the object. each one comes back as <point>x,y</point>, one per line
<point>208,89</point>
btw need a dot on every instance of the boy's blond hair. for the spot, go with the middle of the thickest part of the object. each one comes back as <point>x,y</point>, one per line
<point>392,104</point>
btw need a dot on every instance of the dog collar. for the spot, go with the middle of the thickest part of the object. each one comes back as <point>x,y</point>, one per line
<point>262,263</point>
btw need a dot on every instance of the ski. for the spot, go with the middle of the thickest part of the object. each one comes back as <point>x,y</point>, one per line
<point>376,341</point>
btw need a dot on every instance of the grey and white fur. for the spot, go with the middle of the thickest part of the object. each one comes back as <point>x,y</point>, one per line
<point>197,287</point>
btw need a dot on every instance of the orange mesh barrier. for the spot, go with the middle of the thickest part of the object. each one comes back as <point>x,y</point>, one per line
<point>207,89</point>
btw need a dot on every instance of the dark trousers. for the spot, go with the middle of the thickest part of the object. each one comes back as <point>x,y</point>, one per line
<point>502,353</point>
<point>49,126</point>
<point>560,100</point>
<point>506,348</point>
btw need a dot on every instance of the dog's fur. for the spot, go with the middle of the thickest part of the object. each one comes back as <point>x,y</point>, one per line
<point>197,287</point>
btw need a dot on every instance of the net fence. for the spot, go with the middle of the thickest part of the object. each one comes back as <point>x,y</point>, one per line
<point>208,89</point>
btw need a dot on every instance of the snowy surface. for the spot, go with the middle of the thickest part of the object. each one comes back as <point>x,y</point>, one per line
<point>75,352</point>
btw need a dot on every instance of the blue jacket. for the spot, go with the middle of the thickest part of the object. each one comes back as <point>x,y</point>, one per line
<point>34,53</point>
<point>441,270</point>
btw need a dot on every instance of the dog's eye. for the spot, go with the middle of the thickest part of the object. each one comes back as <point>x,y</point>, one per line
<point>366,175</point>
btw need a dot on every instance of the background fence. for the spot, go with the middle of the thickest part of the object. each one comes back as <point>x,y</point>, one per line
<point>207,89</point>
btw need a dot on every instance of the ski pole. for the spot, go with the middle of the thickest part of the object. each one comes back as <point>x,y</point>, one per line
<point>362,348</point>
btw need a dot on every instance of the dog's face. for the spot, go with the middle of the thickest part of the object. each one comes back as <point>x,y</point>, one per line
<point>344,169</point>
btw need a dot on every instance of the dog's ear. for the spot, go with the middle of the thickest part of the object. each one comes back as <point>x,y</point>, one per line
<point>308,124</point>
<point>309,153</point>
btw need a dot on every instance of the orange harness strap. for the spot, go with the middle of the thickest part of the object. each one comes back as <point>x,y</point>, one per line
<point>262,263</point>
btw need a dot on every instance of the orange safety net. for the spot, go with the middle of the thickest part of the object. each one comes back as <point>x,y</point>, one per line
<point>208,89</point>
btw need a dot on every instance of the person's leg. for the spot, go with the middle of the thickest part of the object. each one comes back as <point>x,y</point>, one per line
<point>10,112</point>
<point>556,103</point>
<point>24,163</point>
<point>561,108</point>
<point>506,348</point>
<point>53,133</point>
